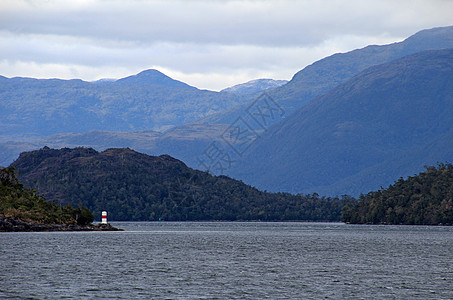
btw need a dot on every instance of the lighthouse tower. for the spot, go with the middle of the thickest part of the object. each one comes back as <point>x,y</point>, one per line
<point>104,217</point>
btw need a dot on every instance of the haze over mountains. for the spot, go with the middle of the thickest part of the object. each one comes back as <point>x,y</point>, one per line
<point>187,141</point>
<point>385,122</point>
<point>325,74</point>
<point>110,110</point>
<point>35,108</point>
<point>254,86</point>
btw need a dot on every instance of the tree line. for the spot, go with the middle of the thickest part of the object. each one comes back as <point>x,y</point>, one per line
<point>136,187</point>
<point>17,202</point>
<point>424,199</point>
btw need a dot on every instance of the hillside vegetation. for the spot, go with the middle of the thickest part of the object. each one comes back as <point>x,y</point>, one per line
<point>423,199</point>
<point>18,203</point>
<point>138,187</point>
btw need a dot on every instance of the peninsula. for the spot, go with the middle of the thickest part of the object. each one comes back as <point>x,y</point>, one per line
<point>23,209</point>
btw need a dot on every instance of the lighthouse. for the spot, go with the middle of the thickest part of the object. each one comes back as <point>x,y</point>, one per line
<point>104,217</point>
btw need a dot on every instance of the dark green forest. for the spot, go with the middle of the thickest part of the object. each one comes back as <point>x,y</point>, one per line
<point>19,203</point>
<point>425,199</point>
<point>138,187</point>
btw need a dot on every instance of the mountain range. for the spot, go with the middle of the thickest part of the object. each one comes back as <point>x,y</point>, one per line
<point>387,121</point>
<point>35,108</point>
<point>274,147</point>
<point>325,74</point>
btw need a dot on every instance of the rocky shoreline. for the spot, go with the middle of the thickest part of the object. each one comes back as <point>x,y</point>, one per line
<point>13,225</point>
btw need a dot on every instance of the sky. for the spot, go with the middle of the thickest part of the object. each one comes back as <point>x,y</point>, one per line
<point>208,44</point>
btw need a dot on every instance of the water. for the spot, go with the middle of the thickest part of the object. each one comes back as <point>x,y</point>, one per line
<point>230,261</point>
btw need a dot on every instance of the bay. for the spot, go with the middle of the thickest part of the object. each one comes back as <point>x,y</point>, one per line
<point>230,260</point>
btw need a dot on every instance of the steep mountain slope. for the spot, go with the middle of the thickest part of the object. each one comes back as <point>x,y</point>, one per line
<point>254,86</point>
<point>325,74</point>
<point>135,186</point>
<point>386,122</point>
<point>32,108</point>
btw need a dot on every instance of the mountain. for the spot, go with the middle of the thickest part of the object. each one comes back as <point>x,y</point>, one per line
<point>31,109</point>
<point>386,122</point>
<point>325,74</point>
<point>133,116</point>
<point>254,86</point>
<point>153,77</point>
<point>424,199</point>
<point>135,186</point>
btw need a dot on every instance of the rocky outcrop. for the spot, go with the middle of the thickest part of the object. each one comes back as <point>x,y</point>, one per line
<point>14,225</point>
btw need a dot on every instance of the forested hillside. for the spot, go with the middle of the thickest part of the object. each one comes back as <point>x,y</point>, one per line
<point>423,199</point>
<point>19,203</point>
<point>135,186</point>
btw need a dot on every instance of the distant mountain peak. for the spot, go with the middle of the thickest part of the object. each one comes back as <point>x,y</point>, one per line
<point>437,35</point>
<point>153,77</point>
<point>253,86</point>
<point>151,73</point>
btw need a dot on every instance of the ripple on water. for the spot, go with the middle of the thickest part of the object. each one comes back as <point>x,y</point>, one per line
<point>230,260</point>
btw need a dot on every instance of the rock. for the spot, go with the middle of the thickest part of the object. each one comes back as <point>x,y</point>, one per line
<point>13,225</point>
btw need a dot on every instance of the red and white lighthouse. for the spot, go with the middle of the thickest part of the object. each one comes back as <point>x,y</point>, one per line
<point>104,217</point>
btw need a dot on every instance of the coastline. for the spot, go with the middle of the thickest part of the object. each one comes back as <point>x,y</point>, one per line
<point>14,225</point>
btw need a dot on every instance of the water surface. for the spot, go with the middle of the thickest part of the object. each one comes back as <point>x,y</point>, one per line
<point>216,260</point>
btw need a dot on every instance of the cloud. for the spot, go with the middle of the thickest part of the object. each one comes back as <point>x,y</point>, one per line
<point>209,44</point>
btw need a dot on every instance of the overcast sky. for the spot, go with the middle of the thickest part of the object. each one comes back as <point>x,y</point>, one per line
<point>207,44</point>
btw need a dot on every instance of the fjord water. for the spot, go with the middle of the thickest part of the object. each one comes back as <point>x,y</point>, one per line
<point>210,260</point>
